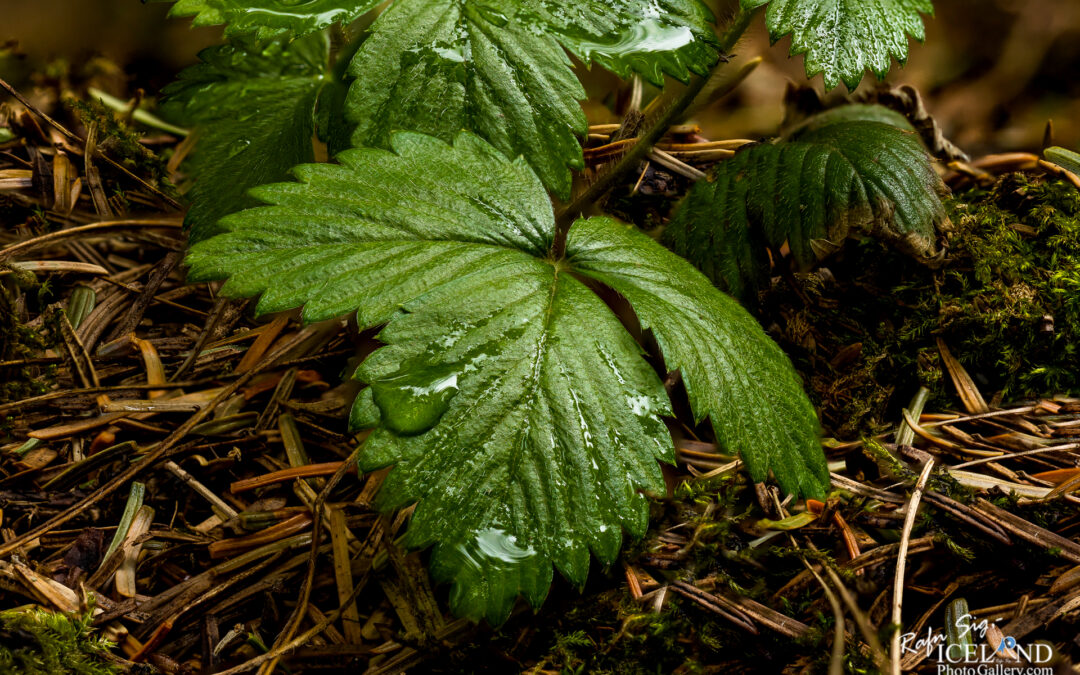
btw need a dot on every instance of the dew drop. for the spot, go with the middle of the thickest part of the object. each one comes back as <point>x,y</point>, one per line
<point>413,400</point>
<point>238,146</point>
<point>491,550</point>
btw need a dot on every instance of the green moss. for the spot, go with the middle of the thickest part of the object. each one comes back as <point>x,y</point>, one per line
<point>121,143</point>
<point>51,644</point>
<point>17,342</point>
<point>1014,288</point>
<point>1006,301</point>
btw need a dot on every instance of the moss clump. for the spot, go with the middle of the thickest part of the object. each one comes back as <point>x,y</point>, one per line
<point>1006,301</point>
<point>1015,294</point>
<point>36,642</point>
<point>17,342</point>
<point>121,143</point>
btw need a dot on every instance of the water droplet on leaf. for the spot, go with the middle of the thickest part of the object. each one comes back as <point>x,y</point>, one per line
<point>237,147</point>
<point>413,400</point>
<point>491,550</point>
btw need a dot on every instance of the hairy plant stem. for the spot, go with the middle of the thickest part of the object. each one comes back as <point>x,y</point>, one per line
<point>665,114</point>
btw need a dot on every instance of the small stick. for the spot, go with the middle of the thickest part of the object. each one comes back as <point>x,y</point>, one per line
<point>292,473</point>
<point>901,563</point>
<point>220,505</point>
<point>1023,453</point>
<point>674,164</point>
<point>57,266</point>
<point>103,226</point>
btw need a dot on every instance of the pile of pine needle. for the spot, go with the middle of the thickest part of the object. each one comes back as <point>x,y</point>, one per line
<point>177,478</point>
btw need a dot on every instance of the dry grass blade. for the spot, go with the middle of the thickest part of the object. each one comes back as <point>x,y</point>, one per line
<point>130,549</point>
<point>82,230</point>
<point>965,386</point>
<point>901,564</point>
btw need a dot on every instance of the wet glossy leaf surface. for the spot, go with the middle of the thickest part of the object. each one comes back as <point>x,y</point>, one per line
<point>499,68</point>
<point>843,38</point>
<point>514,406</point>
<point>733,372</point>
<point>853,171</point>
<point>271,17</point>
<point>253,106</point>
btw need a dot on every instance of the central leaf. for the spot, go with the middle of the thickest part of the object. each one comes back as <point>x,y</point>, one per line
<point>517,411</point>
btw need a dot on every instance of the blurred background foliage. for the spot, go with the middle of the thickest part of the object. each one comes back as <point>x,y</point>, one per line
<point>993,71</point>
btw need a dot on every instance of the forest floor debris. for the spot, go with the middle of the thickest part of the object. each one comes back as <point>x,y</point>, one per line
<point>178,474</point>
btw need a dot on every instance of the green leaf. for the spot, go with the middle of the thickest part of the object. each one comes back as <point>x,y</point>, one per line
<point>1065,158</point>
<point>499,68</point>
<point>253,104</point>
<point>843,38</point>
<point>515,407</point>
<point>790,523</point>
<point>271,17</point>
<point>733,372</point>
<point>851,172</point>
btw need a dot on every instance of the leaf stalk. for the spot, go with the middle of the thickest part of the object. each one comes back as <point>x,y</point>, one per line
<point>666,115</point>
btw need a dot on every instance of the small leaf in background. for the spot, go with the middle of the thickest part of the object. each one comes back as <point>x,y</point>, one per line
<point>516,409</point>
<point>271,17</point>
<point>852,171</point>
<point>790,523</point>
<point>843,38</point>
<point>1065,158</point>
<point>499,69</point>
<point>253,106</point>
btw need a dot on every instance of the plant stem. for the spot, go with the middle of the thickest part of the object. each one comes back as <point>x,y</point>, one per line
<point>668,114</point>
<point>139,115</point>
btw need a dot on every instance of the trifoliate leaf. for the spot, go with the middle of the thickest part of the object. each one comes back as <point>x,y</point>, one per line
<point>733,372</point>
<point>498,68</point>
<point>843,38</point>
<point>270,17</point>
<point>853,171</point>
<point>253,105</point>
<point>514,406</point>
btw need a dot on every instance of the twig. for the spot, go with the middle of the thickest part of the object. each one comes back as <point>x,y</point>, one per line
<point>675,164</point>
<point>901,564</point>
<point>219,504</point>
<point>104,226</point>
<point>1023,453</point>
<point>282,644</point>
<point>836,658</point>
